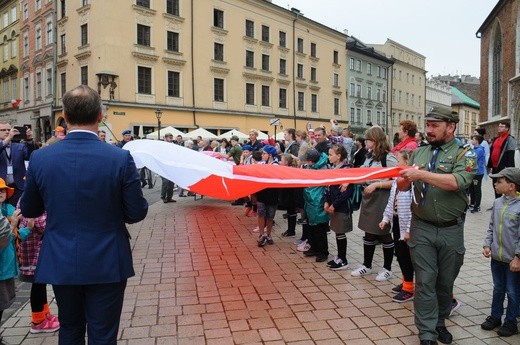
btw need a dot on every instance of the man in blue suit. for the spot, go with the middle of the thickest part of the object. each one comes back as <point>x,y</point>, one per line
<point>89,190</point>
<point>12,158</point>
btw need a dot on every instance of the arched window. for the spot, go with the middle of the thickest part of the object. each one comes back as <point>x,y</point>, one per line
<point>14,44</point>
<point>496,73</point>
<point>6,49</point>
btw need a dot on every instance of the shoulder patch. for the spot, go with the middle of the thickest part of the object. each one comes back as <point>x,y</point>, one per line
<point>471,154</point>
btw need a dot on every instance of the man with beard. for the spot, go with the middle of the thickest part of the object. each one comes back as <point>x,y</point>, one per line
<point>443,173</point>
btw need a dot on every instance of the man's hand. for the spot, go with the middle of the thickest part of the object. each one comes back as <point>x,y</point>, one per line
<point>28,133</point>
<point>412,175</point>
<point>514,265</point>
<point>486,252</point>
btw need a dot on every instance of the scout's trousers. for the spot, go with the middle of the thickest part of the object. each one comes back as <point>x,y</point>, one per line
<point>437,255</point>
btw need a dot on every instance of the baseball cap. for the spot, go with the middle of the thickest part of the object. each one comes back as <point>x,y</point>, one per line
<point>126,131</point>
<point>235,138</point>
<point>442,114</point>
<point>312,156</point>
<point>271,150</point>
<point>247,148</point>
<point>512,174</point>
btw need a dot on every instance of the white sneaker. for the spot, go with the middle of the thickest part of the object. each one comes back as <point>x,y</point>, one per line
<point>361,271</point>
<point>383,275</point>
<point>257,229</point>
<point>303,247</point>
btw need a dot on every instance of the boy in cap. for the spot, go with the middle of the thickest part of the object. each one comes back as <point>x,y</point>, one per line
<point>267,200</point>
<point>502,244</point>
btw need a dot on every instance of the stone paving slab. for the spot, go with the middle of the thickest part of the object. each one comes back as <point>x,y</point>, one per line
<point>201,279</point>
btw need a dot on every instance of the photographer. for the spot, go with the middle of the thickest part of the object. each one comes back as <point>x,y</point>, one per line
<point>12,158</point>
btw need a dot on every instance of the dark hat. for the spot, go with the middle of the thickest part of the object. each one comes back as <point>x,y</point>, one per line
<point>369,124</point>
<point>442,114</point>
<point>247,147</point>
<point>271,150</point>
<point>512,174</point>
<point>312,155</point>
<point>126,131</point>
<point>235,138</point>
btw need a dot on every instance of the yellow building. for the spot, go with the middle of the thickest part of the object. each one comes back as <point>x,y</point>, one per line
<point>9,65</point>
<point>217,64</point>
<point>408,84</point>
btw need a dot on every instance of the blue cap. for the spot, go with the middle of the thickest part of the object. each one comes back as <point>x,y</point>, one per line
<point>126,131</point>
<point>247,147</point>
<point>270,150</point>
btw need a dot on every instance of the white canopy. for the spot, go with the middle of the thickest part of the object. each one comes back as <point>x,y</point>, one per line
<point>241,136</point>
<point>165,130</point>
<point>262,136</point>
<point>279,136</point>
<point>205,134</point>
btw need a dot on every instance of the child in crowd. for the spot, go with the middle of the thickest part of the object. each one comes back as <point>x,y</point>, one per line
<point>338,206</point>
<point>398,213</point>
<point>475,189</point>
<point>267,201</point>
<point>502,244</point>
<point>247,159</point>
<point>287,199</point>
<point>317,218</point>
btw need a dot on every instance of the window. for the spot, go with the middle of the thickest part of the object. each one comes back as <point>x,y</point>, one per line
<point>369,68</point>
<point>6,49</point>
<point>63,43</point>
<point>63,83</point>
<point>144,80</point>
<point>407,98</point>
<point>383,118</point>
<point>26,89</point>
<point>6,90</point>
<point>369,92</point>
<point>37,5</point>
<point>63,9</point>
<point>172,41</point>
<point>496,74</point>
<point>358,90</point>
<point>301,101</point>
<point>218,52</point>
<point>352,89</point>
<point>358,115</point>
<point>266,102</point>
<point>26,10</point>
<point>174,84</point>
<point>400,96</point>
<point>250,93</point>
<point>84,34</point>
<point>265,62</point>
<point>48,85</point>
<point>38,85</point>
<point>384,96</point>
<point>314,103</point>
<point>282,38</point>
<point>413,79</point>
<point>378,94</point>
<point>300,71</point>
<point>335,79</point>
<point>14,14</point>
<point>313,74</point>
<point>143,3</point>
<point>369,115</point>
<point>282,94</point>
<point>351,64</point>
<point>85,2</point>
<point>143,35</point>
<point>14,87</point>
<point>218,90</point>
<point>26,45</point>
<point>6,19</point>
<point>172,7</point>
<point>283,66</point>
<point>335,57</point>
<point>38,38</point>
<point>84,75</point>
<point>352,115</point>
<point>378,119</point>
<point>14,46</point>
<point>265,33</point>
<point>250,59</point>
<point>336,106</point>
<point>48,35</point>
<point>250,28</point>
<point>218,18</point>
<point>300,45</point>
<point>413,99</point>
<point>313,49</point>
<point>358,65</point>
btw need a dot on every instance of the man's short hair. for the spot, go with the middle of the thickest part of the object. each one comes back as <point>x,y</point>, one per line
<point>478,138</point>
<point>101,131</point>
<point>505,123</point>
<point>82,106</point>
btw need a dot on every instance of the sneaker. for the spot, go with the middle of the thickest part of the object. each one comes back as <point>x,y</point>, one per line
<point>301,221</point>
<point>338,264</point>
<point>288,234</point>
<point>248,209</point>
<point>475,210</point>
<point>397,288</point>
<point>361,271</point>
<point>322,257</point>
<point>51,317</point>
<point>332,261</point>
<point>403,296</point>
<point>285,215</point>
<point>270,240</point>
<point>310,252</point>
<point>303,247</point>
<point>455,304</point>
<point>262,241</point>
<point>383,275</point>
<point>491,323</point>
<point>257,229</point>
<point>508,329</point>
<point>299,241</point>
<point>46,326</point>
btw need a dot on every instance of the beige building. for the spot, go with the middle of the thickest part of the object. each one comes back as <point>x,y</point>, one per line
<point>214,64</point>
<point>408,84</point>
<point>9,65</point>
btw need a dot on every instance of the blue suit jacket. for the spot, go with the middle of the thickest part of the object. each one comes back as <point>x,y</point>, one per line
<point>89,189</point>
<point>19,154</point>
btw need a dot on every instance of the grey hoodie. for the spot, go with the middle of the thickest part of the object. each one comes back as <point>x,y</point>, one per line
<point>503,235</point>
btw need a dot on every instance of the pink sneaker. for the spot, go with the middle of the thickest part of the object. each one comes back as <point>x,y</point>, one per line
<point>46,326</point>
<point>51,317</point>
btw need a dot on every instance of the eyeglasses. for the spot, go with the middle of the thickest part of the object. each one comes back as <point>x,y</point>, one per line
<point>5,130</point>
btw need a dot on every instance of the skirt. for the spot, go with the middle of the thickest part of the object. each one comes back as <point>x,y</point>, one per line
<point>7,293</point>
<point>371,212</point>
<point>341,222</point>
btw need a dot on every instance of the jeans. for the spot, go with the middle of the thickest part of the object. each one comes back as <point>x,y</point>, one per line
<point>166,189</point>
<point>505,282</point>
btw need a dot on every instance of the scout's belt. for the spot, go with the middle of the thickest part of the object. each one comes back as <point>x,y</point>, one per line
<point>442,224</point>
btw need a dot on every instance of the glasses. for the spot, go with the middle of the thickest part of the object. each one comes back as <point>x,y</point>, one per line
<point>5,130</point>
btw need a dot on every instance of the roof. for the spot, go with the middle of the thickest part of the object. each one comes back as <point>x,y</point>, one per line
<point>470,89</point>
<point>490,17</point>
<point>459,97</point>
<point>356,45</point>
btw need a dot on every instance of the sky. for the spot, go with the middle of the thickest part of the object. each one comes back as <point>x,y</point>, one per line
<point>441,30</point>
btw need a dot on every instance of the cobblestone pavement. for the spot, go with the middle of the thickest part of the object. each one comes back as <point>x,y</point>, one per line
<point>201,279</point>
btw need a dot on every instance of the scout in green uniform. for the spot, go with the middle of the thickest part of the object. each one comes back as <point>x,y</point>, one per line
<point>445,170</point>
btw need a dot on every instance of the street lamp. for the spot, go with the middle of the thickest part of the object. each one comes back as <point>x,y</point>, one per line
<point>158,113</point>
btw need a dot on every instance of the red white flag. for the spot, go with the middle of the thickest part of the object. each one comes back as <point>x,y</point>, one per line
<point>15,102</point>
